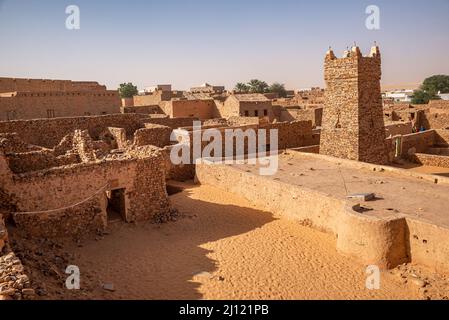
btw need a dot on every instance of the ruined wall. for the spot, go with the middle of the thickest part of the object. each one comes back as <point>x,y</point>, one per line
<point>11,142</point>
<point>39,160</point>
<point>353,124</point>
<point>152,134</point>
<point>49,132</point>
<point>87,217</point>
<point>71,198</point>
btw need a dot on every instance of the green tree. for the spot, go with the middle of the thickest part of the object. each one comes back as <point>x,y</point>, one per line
<point>257,86</point>
<point>279,89</point>
<point>423,97</point>
<point>241,87</point>
<point>127,90</point>
<point>437,83</point>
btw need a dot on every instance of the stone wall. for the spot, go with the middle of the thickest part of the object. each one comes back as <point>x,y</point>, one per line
<point>442,137</point>
<point>173,123</point>
<point>202,109</point>
<point>49,132</point>
<point>39,160</point>
<point>39,85</point>
<point>11,142</point>
<point>26,105</point>
<point>14,283</point>
<point>155,109</point>
<point>435,119</point>
<point>313,114</point>
<point>294,134</point>
<point>385,242</point>
<point>431,160</point>
<point>152,134</point>
<point>353,124</point>
<point>154,98</point>
<point>417,142</point>
<point>74,221</point>
<point>401,128</point>
<point>71,198</point>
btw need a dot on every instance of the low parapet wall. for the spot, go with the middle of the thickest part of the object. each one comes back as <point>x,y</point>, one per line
<point>431,160</point>
<point>386,242</point>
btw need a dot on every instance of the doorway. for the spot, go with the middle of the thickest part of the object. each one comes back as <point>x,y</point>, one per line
<point>116,208</point>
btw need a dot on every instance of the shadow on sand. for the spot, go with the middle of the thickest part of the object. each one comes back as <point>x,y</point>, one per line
<point>150,261</point>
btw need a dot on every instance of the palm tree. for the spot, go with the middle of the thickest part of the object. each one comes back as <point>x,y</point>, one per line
<point>241,87</point>
<point>257,86</point>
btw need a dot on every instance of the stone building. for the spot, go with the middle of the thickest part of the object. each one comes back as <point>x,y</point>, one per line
<point>353,121</point>
<point>69,176</point>
<point>40,98</point>
<point>198,108</point>
<point>247,105</point>
<point>207,88</point>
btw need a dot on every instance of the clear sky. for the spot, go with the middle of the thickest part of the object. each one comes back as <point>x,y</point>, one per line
<point>190,42</point>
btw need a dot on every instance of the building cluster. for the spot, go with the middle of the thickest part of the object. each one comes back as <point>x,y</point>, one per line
<point>72,157</point>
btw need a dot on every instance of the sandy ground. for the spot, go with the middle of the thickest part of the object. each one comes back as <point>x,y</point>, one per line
<point>222,247</point>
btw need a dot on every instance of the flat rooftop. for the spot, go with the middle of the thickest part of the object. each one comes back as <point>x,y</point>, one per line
<point>395,192</point>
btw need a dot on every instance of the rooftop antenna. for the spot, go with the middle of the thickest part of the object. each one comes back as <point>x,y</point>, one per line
<point>355,44</point>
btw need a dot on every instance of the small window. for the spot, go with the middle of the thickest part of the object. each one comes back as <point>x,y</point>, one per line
<point>11,115</point>
<point>256,113</point>
<point>104,112</point>
<point>265,112</point>
<point>246,113</point>
<point>50,113</point>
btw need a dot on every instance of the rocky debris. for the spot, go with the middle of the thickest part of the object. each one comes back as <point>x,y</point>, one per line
<point>45,261</point>
<point>430,285</point>
<point>173,215</point>
<point>14,283</point>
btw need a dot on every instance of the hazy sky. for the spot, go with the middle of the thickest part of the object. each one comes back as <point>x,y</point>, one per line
<point>186,43</point>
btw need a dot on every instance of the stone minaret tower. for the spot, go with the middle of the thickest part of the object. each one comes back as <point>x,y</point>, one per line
<point>353,124</point>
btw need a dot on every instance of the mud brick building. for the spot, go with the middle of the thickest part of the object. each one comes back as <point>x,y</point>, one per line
<point>247,105</point>
<point>41,98</point>
<point>353,124</point>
